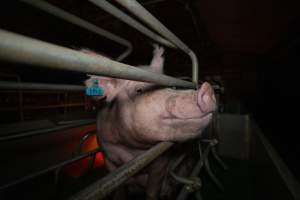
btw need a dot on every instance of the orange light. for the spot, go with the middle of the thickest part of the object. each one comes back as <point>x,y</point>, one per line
<point>78,168</point>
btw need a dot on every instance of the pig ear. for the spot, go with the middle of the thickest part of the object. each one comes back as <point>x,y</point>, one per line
<point>158,59</point>
<point>109,85</point>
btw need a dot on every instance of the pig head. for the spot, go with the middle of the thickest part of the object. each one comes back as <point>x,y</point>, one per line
<point>138,115</point>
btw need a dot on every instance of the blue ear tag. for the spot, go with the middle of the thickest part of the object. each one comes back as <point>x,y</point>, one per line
<point>94,89</point>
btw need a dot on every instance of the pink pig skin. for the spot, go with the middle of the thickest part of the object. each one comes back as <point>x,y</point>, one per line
<point>138,115</point>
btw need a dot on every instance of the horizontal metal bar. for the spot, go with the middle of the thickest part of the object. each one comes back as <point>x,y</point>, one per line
<point>73,121</point>
<point>138,10</point>
<point>51,168</point>
<point>131,22</point>
<point>82,23</point>
<point>39,86</point>
<point>17,48</point>
<point>43,106</point>
<point>106,185</point>
<point>44,131</point>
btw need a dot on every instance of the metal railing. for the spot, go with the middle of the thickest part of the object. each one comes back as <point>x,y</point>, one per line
<point>83,24</point>
<point>131,22</point>
<point>51,168</point>
<point>138,10</point>
<point>39,86</point>
<point>109,183</point>
<point>29,51</point>
<point>46,131</point>
<point>21,49</point>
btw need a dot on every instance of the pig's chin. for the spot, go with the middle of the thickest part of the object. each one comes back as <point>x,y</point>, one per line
<point>187,119</point>
<point>190,127</point>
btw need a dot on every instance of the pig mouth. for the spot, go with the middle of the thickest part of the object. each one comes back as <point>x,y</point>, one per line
<point>192,124</point>
<point>174,117</point>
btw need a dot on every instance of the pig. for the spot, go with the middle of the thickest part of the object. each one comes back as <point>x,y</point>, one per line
<point>137,115</point>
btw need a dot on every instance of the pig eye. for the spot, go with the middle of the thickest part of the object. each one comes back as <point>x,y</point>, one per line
<point>139,91</point>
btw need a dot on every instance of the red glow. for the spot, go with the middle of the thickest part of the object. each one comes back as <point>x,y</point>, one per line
<point>78,168</point>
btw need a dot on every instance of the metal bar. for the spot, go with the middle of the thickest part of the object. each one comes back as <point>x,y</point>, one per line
<point>33,175</point>
<point>184,192</point>
<point>130,21</point>
<point>38,86</point>
<point>44,107</point>
<point>218,159</point>
<point>73,121</point>
<point>106,185</point>
<point>289,180</point>
<point>54,106</point>
<point>81,23</point>
<point>44,131</point>
<point>134,7</point>
<point>211,143</point>
<point>17,48</point>
<point>212,176</point>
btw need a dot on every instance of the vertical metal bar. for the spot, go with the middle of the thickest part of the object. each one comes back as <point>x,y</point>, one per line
<point>218,159</point>
<point>82,23</point>
<point>65,107</point>
<point>20,95</point>
<point>134,7</point>
<point>130,21</point>
<point>212,176</point>
<point>183,194</point>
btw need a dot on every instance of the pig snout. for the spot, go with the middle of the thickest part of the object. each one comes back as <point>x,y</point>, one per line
<point>192,104</point>
<point>206,98</point>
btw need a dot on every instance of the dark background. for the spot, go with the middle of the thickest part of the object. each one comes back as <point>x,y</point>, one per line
<point>252,44</point>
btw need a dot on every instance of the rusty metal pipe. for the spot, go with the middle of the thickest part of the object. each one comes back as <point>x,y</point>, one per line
<point>21,49</point>
<point>82,23</point>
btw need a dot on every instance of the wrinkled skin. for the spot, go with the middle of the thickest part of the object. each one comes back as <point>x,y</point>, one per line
<point>138,115</point>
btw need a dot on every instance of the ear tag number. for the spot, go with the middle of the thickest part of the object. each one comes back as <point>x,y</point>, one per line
<point>94,89</point>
